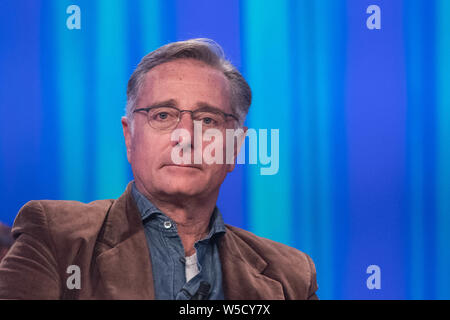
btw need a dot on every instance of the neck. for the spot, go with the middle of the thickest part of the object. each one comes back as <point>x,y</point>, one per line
<point>191,215</point>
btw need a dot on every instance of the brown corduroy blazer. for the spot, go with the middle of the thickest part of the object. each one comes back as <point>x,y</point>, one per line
<point>106,240</point>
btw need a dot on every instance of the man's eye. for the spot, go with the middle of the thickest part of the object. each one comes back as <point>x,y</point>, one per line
<point>210,121</point>
<point>207,120</point>
<point>162,116</point>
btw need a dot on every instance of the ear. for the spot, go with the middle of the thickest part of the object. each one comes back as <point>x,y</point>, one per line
<point>240,140</point>
<point>128,136</point>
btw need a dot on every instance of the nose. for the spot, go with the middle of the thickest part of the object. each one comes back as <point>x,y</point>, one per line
<point>186,121</point>
<point>187,124</point>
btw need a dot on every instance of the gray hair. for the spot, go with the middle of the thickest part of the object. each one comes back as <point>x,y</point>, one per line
<point>201,49</point>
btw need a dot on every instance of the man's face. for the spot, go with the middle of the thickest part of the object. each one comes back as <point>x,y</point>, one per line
<point>188,84</point>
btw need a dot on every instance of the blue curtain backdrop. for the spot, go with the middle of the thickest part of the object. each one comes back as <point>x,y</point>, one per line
<point>363,118</point>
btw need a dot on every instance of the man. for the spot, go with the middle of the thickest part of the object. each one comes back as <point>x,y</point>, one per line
<point>164,238</point>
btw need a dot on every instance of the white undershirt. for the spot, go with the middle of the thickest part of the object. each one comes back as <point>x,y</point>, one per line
<point>191,267</point>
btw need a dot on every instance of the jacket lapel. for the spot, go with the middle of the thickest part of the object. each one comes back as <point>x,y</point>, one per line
<point>242,271</point>
<point>123,261</point>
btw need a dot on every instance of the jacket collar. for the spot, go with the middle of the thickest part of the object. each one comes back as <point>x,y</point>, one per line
<point>243,271</point>
<point>124,264</point>
<point>124,259</point>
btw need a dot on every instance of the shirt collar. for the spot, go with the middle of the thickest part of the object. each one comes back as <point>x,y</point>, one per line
<point>147,209</point>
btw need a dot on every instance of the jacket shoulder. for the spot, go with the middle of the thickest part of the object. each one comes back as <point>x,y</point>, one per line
<point>65,218</point>
<point>49,237</point>
<point>290,266</point>
<point>271,250</point>
<point>66,227</point>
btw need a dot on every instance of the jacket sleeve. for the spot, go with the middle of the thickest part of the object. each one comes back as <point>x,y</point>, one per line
<point>29,270</point>
<point>313,282</point>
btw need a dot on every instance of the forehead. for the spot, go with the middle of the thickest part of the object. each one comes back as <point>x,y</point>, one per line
<point>186,81</point>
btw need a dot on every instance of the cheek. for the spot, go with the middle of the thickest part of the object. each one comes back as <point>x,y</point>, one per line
<point>217,172</point>
<point>145,151</point>
<point>151,150</point>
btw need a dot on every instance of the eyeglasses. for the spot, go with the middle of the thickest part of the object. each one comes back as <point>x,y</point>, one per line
<point>167,118</point>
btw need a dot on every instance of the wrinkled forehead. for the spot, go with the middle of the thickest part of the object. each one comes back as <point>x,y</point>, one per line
<point>187,81</point>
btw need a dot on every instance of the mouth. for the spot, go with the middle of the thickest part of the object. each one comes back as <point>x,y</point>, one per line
<point>183,166</point>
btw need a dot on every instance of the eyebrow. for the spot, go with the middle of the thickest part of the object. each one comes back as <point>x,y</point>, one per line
<point>166,103</point>
<point>203,106</point>
<point>206,107</point>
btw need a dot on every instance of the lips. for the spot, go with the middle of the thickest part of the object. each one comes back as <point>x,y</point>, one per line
<point>183,166</point>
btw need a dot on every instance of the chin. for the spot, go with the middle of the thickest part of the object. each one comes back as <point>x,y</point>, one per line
<point>188,185</point>
<point>183,190</point>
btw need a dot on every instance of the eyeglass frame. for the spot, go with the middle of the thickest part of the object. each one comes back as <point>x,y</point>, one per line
<point>147,110</point>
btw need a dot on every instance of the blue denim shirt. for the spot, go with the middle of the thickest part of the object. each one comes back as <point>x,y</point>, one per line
<point>167,254</point>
